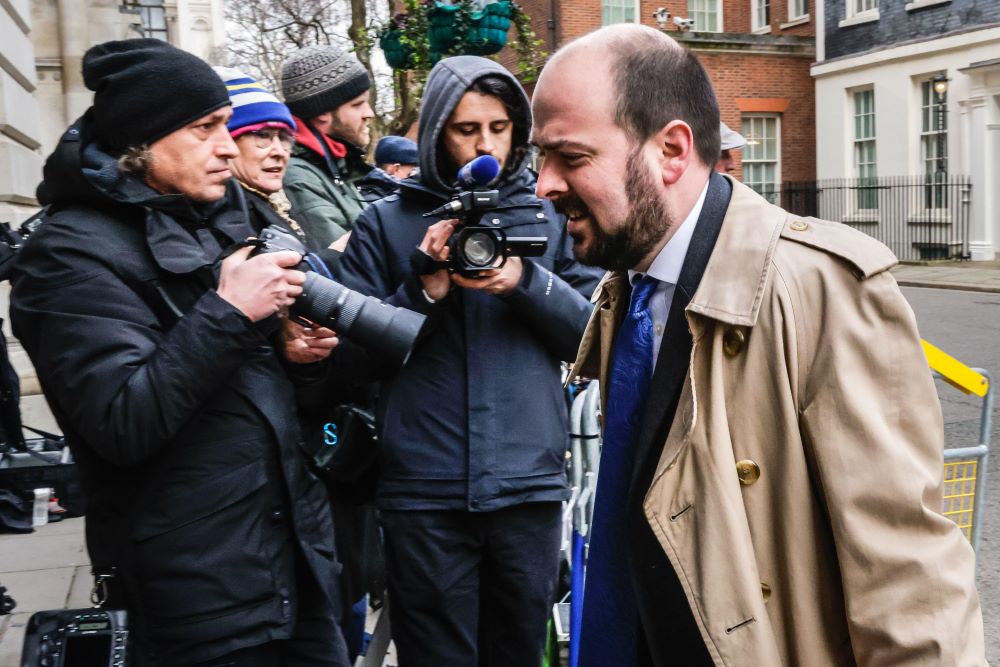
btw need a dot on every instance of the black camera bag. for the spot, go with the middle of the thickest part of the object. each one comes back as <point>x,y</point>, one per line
<point>344,452</point>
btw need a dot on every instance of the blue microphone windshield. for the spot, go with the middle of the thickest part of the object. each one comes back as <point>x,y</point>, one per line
<point>478,173</point>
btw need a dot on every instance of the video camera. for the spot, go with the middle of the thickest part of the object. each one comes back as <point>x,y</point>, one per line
<point>475,247</point>
<point>386,330</point>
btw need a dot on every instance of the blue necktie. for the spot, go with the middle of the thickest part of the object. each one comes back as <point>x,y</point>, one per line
<point>610,617</point>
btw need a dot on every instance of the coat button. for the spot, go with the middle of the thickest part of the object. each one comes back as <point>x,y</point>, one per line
<point>733,341</point>
<point>277,516</point>
<point>799,225</point>
<point>765,592</point>
<point>748,472</point>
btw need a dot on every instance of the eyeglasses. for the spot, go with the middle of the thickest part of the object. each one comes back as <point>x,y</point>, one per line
<point>264,137</point>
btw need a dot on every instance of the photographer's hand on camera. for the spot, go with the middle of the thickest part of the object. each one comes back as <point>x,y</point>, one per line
<point>496,282</point>
<point>306,345</point>
<point>435,246</point>
<point>262,285</point>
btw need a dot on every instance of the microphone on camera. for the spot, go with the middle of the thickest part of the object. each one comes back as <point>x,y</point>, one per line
<point>478,173</point>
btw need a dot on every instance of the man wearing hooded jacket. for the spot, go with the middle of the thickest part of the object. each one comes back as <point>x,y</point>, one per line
<point>474,429</point>
<point>157,361</point>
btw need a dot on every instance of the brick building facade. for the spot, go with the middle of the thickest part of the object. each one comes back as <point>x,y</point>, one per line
<point>761,75</point>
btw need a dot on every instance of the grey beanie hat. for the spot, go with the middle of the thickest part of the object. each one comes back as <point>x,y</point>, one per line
<point>318,79</point>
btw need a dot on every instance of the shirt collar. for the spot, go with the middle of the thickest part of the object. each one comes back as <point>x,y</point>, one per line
<point>666,266</point>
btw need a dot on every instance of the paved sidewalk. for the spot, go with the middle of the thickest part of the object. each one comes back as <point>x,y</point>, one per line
<point>968,276</point>
<point>46,569</point>
<point>49,569</point>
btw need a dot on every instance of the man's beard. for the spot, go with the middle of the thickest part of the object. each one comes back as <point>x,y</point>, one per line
<point>645,224</point>
<point>354,135</point>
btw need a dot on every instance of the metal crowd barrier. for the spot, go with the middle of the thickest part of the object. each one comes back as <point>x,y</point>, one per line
<point>578,511</point>
<point>965,470</point>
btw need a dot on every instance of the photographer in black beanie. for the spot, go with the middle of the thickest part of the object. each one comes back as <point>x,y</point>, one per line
<point>157,361</point>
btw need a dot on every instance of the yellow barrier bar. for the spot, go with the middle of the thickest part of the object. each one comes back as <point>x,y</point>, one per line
<point>954,372</point>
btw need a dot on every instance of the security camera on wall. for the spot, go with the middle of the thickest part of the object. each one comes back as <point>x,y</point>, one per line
<point>683,23</point>
<point>662,16</point>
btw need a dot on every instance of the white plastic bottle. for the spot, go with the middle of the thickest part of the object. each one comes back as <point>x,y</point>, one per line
<point>40,517</point>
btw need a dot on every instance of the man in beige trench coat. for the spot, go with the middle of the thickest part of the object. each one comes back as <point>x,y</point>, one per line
<point>779,478</point>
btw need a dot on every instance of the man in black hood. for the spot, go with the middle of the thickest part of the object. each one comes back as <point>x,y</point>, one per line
<point>155,357</point>
<point>474,429</point>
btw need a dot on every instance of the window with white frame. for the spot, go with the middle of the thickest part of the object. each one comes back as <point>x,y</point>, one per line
<point>154,19</point>
<point>707,15</point>
<point>797,9</point>
<point>934,144</point>
<point>619,11</point>
<point>864,149</point>
<point>762,155</point>
<point>761,13</point>
<point>861,7</point>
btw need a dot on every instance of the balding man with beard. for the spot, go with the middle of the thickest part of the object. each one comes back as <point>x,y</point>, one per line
<point>770,482</point>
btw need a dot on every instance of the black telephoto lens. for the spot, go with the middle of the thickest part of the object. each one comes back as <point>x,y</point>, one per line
<point>388,331</point>
<point>385,330</point>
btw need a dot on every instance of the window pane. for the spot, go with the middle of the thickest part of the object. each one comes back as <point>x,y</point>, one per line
<point>705,14</point>
<point>934,145</point>
<point>760,155</point>
<point>157,20</point>
<point>617,11</point>
<point>154,20</point>
<point>761,13</point>
<point>864,149</point>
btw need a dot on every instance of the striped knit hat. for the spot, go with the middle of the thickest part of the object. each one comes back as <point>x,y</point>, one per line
<point>318,79</point>
<point>253,105</point>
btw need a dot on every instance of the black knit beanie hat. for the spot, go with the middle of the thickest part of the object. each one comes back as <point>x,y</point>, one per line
<point>318,79</point>
<point>144,89</point>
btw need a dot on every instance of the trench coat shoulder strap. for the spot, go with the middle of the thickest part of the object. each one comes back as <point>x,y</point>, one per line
<point>865,255</point>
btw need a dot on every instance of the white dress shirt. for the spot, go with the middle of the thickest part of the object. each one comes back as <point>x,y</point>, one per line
<point>666,268</point>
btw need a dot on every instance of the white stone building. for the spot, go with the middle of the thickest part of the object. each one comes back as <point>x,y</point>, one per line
<point>63,30</point>
<point>42,43</point>
<point>912,90</point>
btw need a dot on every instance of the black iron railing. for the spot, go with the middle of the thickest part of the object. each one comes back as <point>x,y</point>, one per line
<point>918,217</point>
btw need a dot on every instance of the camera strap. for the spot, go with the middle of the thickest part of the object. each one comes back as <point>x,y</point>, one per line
<point>239,245</point>
<point>246,243</point>
<point>424,264</point>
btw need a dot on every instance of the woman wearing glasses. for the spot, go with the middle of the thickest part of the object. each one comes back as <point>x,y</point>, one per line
<point>264,132</point>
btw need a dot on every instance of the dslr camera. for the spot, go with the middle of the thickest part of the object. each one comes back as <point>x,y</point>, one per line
<point>385,330</point>
<point>76,638</point>
<point>477,246</point>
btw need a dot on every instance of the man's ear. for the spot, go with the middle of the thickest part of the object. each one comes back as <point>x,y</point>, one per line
<point>675,150</point>
<point>323,122</point>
